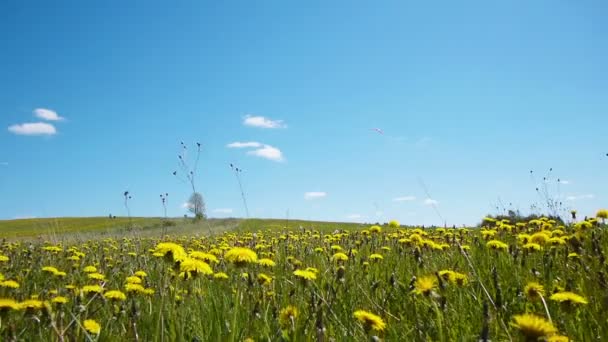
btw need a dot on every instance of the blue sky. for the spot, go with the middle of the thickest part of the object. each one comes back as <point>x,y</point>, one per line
<point>470,96</point>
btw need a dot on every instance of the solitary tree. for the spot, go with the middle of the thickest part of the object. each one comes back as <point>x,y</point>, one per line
<point>196,205</point>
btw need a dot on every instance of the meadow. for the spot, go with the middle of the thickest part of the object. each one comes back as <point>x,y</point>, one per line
<point>277,280</point>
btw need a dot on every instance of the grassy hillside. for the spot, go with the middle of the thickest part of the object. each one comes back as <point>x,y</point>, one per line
<point>86,227</point>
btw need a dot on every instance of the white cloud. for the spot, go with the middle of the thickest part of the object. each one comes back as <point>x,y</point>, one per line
<point>314,195</point>
<point>259,150</point>
<point>404,198</point>
<point>238,144</point>
<point>354,216</point>
<point>35,128</point>
<point>223,211</point>
<point>423,142</point>
<point>187,205</point>
<point>268,152</point>
<point>26,217</point>
<point>580,197</point>
<point>563,181</point>
<point>262,122</point>
<point>430,201</point>
<point>47,114</point>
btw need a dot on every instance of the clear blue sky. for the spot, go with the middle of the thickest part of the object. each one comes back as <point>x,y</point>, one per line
<point>470,95</point>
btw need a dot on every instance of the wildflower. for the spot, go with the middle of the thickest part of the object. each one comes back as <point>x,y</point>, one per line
<point>454,277</point>
<point>339,257</point>
<point>97,276</point>
<point>141,274</point>
<point>534,290</point>
<point>92,326</point>
<point>425,285</point>
<point>59,300</point>
<point>206,257</point>
<point>558,338</point>
<point>10,284</point>
<point>369,320</point>
<point>115,295</point>
<point>133,280</point>
<point>573,255</point>
<point>533,327</point>
<point>220,275</point>
<point>90,269</point>
<point>50,269</point>
<point>240,256</point>
<point>540,238</point>
<point>602,214</point>
<point>30,304</point>
<point>92,289</point>
<point>4,258</point>
<point>192,267</point>
<point>376,257</point>
<point>497,245</point>
<point>148,291</point>
<point>266,262</point>
<point>287,315</point>
<point>171,251</point>
<point>264,279</point>
<point>6,304</point>
<point>131,287</point>
<point>568,298</point>
<point>532,247</point>
<point>375,229</point>
<point>394,224</point>
<point>304,274</point>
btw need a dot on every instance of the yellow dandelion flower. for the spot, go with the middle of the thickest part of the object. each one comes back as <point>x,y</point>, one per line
<point>6,304</point>
<point>90,269</point>
<point>192,267</point>
<point>206,257</point>
<point>59,300</point>
<point>376,257</point>
<point>133,280</point>
<point>148,291</point>
<point>220,275</point>
<point>240,256</point>
<point>96,276</point>
<point>306,275</point>
<point>264,279</point>
<point>369,320</point>
<point>425,285</point>
<point>10,284</point>
<point>266,262</point>
<point>531,246</point>
<point>131,287</point>
<point>557,338</point>
<point>92,289</point>
<point>375,229</point>
<point>115,295</point>
<point>534,290</point>
<point>533,327</point>
<point>287,315</point>
<point>340,257</point>
<point>31,304</point>
<point>92,326</point>
<point>4,258</point>
<point>394,224</point>
<point>171,251</point>
<point>568,298</point>
<point>141,274</point>
<point>497,245</point>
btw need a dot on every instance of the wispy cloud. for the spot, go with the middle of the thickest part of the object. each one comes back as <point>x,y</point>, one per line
<point>238,144</point>
<point>311,195</point>
<point>34,128</point>
<point>223,211</point>
<point>259,150</point>
<point>26,217</point>
<point>47,114</point>
<point>563,181</point>
<point>430,201</point>
<point>404,198</point>
<point>262,122</point>
<point>268,152</point>
<point>580,197</point>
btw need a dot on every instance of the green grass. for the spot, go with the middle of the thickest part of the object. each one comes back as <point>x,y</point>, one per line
<point>204,308</point>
